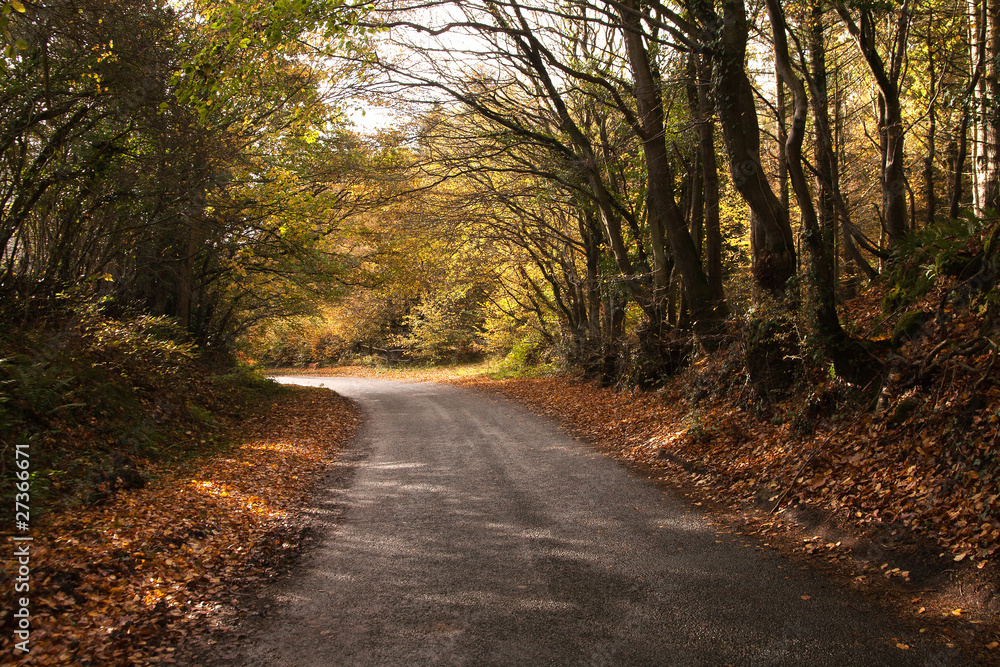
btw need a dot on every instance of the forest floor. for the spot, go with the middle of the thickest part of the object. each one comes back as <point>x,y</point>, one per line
<point>131,580</point>
<point>897,505</point>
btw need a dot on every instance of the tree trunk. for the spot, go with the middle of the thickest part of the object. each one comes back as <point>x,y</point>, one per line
<point>846,353</point>
<point>589,233</point>
<point>706,314</point>
<point>958,166</point>
<point>774,250</point>
<point>828,176</point>
<point>827,322</point>
<point>712,250</point>
<point>891,135</point>
<point>894,174</point>
<point>987,193</point>
<point>781,131</point>
<point>928,174</point>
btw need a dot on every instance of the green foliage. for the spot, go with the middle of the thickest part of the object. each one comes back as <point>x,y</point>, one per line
<point>772,349</point>
<point>528,351</point>
<point>909,325</point>
<point>241,384</point>
<point>298,343</point>
<point>528,357</point>
<point>924,259</point>
<point>87,392</point>
<point>115,181</point>
<point>236,40</point>
<point>12,44</point>
<point>698,428</point>
<point>156,346</point>
<point>445,325</point>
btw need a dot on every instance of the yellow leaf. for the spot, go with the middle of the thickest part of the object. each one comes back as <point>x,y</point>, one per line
<point>17,5</point>
<point>992,645</point>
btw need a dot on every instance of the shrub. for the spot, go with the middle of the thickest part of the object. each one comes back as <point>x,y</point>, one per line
<point>445,326</point>
<point>85,391</point>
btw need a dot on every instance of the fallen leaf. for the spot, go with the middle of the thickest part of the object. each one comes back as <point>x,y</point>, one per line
<point>171,552</point>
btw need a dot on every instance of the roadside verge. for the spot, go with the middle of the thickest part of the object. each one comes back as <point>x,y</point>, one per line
<point>129,581</point>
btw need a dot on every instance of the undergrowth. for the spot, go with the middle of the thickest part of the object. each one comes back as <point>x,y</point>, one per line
<point>96,400</point>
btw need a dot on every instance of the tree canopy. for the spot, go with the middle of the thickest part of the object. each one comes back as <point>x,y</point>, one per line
<point>598,177</point>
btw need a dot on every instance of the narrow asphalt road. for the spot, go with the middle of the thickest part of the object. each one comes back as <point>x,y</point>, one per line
<point>474,533</point>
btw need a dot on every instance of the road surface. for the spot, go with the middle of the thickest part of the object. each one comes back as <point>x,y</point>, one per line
<point>474,533</point>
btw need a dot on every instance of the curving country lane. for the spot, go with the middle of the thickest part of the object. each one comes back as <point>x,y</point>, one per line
<point>475,533</point>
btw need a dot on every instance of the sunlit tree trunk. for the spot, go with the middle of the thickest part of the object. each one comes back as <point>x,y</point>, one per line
<point>781,132</point>
<point>987,160</point>
<point>887,73</point>
<point>930,197</point>
<point>827,177</point>
<point>710,175</point>
<point>827,322</point>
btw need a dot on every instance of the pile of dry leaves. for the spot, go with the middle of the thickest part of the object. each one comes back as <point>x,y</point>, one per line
<point>127,581</point>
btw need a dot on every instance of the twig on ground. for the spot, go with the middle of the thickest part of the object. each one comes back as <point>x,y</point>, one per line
<point>802,466</point>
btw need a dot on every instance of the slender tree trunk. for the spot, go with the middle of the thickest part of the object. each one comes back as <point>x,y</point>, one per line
<point>184,278</point>
<point>987,195</point>
<point>846,353</point>
<point>828,176</point>
<point>639,287</point>
<point>696,207</point>
<point>658,243</point>
<point>827,321</point>
<point>188,251</point>
<point>977,51</point>
<point>891,136</point>
<point>705,312</point>
<point>774,248</point>
<point>781,131</point>
<point>894,174</point>
<point>590,233</point>
<point>710,174</point>
<point>958,166</point>
<point>929,194</point>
